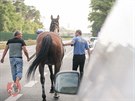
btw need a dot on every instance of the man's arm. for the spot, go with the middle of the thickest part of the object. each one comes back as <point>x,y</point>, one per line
<point>88,50</point>
<point>69,43</point>
<point>25,52</point>
<point>4,53</point>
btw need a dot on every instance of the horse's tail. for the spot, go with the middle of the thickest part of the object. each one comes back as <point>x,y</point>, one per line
<point>41,56</point>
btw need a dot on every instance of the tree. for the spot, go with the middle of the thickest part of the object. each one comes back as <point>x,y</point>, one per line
<point>30,15</point>
<point>18,16</point>
<point>9,18</point>
<point>98,14</point>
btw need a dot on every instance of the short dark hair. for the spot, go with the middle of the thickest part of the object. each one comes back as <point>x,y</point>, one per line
<point>16,33</point>
<point>79,31</point>
<point>39,31</point>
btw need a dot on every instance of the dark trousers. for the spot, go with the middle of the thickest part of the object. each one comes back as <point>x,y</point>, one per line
<point>79,61</point>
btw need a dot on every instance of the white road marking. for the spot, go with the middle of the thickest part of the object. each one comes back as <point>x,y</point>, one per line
<point>14,98</point>
<point>30,84</point>
<point>44,74</point>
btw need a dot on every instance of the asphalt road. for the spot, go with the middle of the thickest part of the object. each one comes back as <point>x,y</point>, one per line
<point>31,91</point>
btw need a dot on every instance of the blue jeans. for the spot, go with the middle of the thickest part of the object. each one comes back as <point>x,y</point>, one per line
<point>16,67</point>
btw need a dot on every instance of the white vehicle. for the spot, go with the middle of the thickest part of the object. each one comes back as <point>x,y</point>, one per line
<point>92,42</point>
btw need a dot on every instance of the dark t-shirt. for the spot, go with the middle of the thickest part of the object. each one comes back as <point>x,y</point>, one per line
<point>15,47</point>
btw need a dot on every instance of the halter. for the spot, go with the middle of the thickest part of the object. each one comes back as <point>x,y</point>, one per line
<point>54,26</point>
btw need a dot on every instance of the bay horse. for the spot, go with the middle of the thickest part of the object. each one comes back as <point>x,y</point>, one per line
<point>50,51</point>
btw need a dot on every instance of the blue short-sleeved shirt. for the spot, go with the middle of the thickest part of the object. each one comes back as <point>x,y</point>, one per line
<point>80,45</point>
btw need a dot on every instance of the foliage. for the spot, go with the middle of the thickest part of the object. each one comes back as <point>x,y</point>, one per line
<point>18,16</point>
<point>4,36</point>
<point>98,14</point>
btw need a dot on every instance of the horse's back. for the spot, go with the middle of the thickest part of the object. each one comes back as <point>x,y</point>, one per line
<point>56,49</point>
<point>55,37</point>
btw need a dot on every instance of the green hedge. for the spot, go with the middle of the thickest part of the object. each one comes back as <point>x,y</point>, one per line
<point>4,36</point>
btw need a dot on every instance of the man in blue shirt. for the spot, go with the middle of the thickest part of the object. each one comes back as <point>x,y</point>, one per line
<point>39,31</point>
<point>80,45</point>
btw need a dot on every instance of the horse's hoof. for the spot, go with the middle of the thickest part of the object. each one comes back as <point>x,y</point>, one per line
<point>56,96</point>
<point>44,99</point>
<point>51,90</point>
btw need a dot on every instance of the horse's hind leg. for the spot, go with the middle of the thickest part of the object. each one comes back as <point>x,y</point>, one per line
<point>57,69</point>
<point>52,79</point>
<point>42,80</point>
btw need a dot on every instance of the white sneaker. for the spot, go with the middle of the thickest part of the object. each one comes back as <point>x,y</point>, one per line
<point>15,88</point>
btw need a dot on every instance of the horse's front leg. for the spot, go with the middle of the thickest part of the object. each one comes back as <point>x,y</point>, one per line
<point>52,79</point>
<point>42,80</point>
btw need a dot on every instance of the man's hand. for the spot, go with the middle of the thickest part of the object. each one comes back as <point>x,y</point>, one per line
<point>2,60</point>
<point>4,53</point>
<point>28,59</point>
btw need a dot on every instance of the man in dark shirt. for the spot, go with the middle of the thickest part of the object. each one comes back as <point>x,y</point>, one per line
<point>15,46</point>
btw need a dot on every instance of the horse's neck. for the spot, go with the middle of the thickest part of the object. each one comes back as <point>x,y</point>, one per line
<point>56,31</point>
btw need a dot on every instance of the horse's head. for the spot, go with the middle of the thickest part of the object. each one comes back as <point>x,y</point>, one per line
<point>54,27</point>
